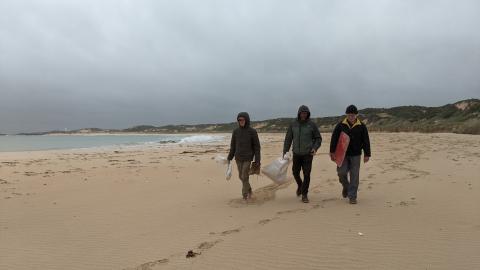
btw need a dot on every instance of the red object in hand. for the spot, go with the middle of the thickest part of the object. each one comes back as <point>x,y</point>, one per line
<point>341,149</point>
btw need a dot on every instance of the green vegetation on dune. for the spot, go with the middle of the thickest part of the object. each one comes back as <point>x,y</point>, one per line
<point>460,117</point>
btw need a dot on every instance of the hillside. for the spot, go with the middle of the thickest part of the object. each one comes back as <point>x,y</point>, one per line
<point>460,117</point>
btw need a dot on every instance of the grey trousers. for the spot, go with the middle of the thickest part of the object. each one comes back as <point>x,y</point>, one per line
<point>243,170</point>
<point>350,167</point>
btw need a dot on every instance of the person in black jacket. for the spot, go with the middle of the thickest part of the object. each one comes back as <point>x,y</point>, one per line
<point>245,146</point>
<point>359,140</point>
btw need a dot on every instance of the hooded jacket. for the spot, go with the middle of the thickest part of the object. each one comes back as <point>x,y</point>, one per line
<point>304,135</point>
<point>245,144</point>
<point>359,139</point>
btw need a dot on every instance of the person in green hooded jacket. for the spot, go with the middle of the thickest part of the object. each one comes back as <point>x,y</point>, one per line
<point>306,139</point>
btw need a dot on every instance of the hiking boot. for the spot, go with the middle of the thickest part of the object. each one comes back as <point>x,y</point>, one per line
<point>299,192</point>
<point>305,199</point>
<point>353,201</point>
<point>344,192</point>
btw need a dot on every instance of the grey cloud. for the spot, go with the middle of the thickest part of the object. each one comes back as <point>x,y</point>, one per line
<point>114,64</point>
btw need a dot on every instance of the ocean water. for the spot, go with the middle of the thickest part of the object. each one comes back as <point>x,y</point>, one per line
<point>15,143</point>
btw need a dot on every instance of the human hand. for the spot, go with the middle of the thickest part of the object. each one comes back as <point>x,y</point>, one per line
<point>255,168</point>
<point>332,156</point>
<point>366,159</point>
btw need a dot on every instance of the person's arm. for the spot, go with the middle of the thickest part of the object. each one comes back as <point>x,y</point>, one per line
<point>334,141</point>
<point>256,146</point>
<point>366,144</point>
<point>232,147</point>
<point>317,138</point>
<point>288,140</point>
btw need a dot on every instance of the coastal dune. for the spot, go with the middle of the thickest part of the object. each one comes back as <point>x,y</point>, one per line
<point>145,208</point>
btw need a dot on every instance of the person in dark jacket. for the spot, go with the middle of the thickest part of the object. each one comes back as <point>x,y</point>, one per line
<point>306,139</point>
<point>245,147</point>
<point>359,140</point>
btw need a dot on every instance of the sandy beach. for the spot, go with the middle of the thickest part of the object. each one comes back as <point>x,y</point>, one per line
<point>418,208</point>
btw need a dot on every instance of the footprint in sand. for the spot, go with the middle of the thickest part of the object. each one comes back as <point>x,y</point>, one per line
<point>407,203</point>
<point>208,245</point>
<point>330,199</point>
<point>148,265</point>
<point>300,210</point>
<point>231,231</point>
<point>317,188</point>
<point>10,163</point>
<point>265,221</point>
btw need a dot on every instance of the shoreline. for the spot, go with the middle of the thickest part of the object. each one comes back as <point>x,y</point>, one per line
<point>147,145</point>
<point>126,145</point>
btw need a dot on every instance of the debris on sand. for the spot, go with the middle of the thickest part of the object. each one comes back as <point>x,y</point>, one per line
<point>191,254</point>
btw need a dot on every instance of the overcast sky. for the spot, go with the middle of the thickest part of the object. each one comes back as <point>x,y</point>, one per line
<point>116,64</point>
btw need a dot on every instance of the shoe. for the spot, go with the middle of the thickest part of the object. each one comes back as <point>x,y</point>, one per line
<point>305,199</point>
<point>353,201</point>
<point>299,192</point>
<point>344,193</point>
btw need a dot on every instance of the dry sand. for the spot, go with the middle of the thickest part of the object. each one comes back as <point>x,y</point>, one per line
<point>419,208</point>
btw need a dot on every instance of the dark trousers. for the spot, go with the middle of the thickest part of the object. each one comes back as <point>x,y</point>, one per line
<point>350,167</point>
<point>304,163</point>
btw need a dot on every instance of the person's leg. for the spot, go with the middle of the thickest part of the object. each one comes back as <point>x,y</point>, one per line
<point>354,176</point>
<point>296,167</point>
<point>239,167</point>
<point>246,189</point>
<point>342,172</point>
<point>243,169</point>
<point>307,169</point>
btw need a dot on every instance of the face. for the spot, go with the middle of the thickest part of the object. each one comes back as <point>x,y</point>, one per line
<point>351,117</point>
<point>303,115</point>
<point>241,121</point>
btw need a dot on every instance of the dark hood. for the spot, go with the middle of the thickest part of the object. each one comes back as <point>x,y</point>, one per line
<point>303,108</point>
<point>247,118</point>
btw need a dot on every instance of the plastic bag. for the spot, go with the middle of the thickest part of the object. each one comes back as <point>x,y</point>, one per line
<point>228,173</point>
<point>277,170</point>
